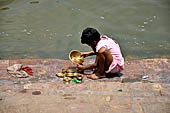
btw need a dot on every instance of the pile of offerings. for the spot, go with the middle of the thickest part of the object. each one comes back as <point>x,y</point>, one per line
<point>69,75</point>
<point>19,71</point>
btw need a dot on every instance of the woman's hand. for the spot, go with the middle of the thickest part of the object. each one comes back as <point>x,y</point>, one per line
<point>80,68</point>
<point>86,54</point>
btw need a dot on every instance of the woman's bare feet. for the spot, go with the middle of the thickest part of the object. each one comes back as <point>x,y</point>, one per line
<point>95,77</point>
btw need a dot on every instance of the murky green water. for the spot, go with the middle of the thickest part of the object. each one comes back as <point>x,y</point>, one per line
<point>51,28</point>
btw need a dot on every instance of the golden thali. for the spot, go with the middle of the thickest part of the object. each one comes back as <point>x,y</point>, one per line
<point>75,57</point>
<point>69,75</point>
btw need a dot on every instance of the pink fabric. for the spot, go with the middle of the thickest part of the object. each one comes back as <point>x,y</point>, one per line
<point>118,61</point>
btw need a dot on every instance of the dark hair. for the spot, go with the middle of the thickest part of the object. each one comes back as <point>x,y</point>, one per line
<point>89,35</point>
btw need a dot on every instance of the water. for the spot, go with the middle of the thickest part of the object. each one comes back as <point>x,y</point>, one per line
<point>52,28</point>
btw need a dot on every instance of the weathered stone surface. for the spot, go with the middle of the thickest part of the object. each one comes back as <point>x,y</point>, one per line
<point>45,93</point>
<point>4,64</point>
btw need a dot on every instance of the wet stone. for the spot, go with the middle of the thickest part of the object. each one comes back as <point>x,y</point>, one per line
<point>24,91</point>
<point>5,8</point>
<point>120,90</point>
<point>34,2</point>
<point>70,98</point>
<point>124,80</point>
<point>36,92</point>
<point>67,94</point>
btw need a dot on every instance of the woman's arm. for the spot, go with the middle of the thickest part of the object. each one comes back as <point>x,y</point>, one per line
<point>91,66</point>
<point>82,68</point>
<point>86,54</point>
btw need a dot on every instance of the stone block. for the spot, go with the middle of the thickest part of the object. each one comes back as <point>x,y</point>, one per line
<point>4,64</point>
<point>25,61</point>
